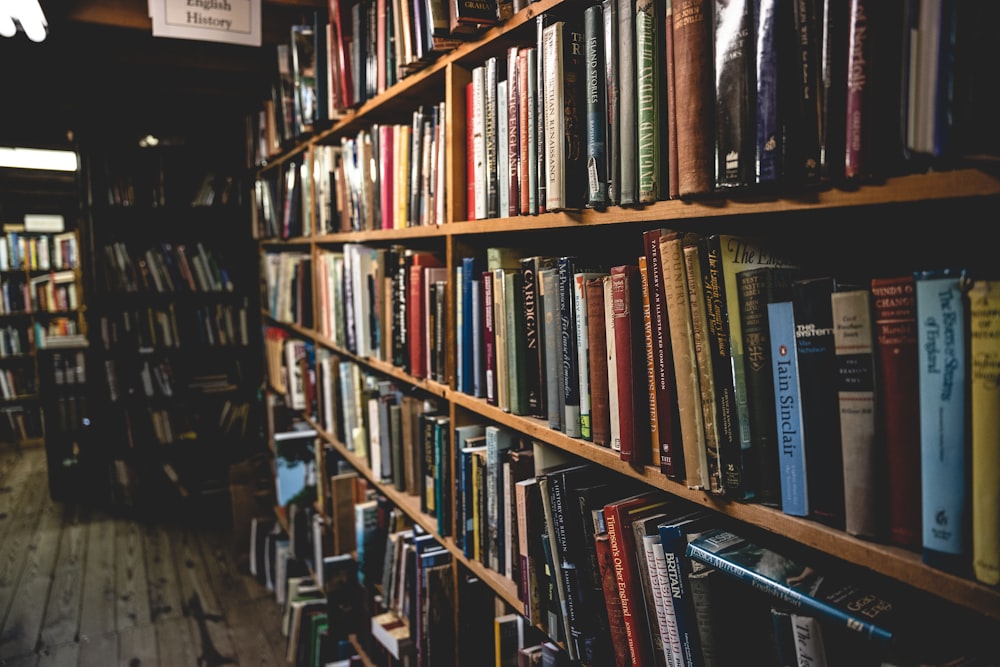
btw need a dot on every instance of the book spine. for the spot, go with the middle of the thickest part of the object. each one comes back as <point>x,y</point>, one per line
<point>553,97</point>
<point>650,376</point>
<point>525,133</point>
<point>582,352</point>
<point>854,346</point>
<point>670,78</point>
<point>574,116</point>
<point>858,139</point>
<point>674,540</point>
<point>529,510</point>
<point>548,284</point>
<point>817,363</point>
<point>693,86</point>
<point>500,339</point>
<point>805,130</point>
<point>567,331</point>
<point>626,305</point>
<point>628,118</point>
<point>787,409</point>
<point>513,176</point>
<point>490,115</point>
<point>809,648</point>
<point>469,270</point>
<point>532,111</point>
<point>628,590</point>
<point>609,584</point>
<point>769,135</point>
<point>600,405</point>
<point>735,125</point>
<point>669,454</point>
<point>479,142</point>
<point>649,179</point>
<point>534,364</point>
<point>984,352</point>
<point>541,122</point>
<point>503,157</point>
<point>596,107</point>
<point>942,337</point>
<point>899,403</point>
<point>612,364</point>
<point>516,344</point>
<point>489,339</point>
<point>566,564</point>
<point>718,340</point>
<point>612,118</point>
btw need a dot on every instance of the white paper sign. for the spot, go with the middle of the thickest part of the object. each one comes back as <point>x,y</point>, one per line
<point>232,21</point>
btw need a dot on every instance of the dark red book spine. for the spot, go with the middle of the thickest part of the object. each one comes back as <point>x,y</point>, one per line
<point>514,130</point>
<point>417,318</point>
<point>616,622</point>
<point>627,313</point>
<point>897,367</point>
<point>857,155</point>
<point>600,400</point>
<point>489,340</point>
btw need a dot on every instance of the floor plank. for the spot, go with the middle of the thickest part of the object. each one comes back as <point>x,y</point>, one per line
<point>27,508</point>
<point>60,655</point>
<point>137,646</point>
<point>131,587</point>
<point>165,600</point>
<point>99,651</point>
<point>175,644</point>
<point>62,609</point>
<point>98,606</point>
<point>23,624</point>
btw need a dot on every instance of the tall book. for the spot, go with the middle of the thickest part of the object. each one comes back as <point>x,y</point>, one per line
<point>899,403</point>
<point>651,172</point>
<point>817,365</point>
<point>804,129</point>
<point>628,112</point>
<point>512,178</point>
<point>693,89</point>
<point>835,596</point>
<point>612,365</point>
<point>984,416</point>
<point>703,355</point>
<point>942,337</point>
<point>563,67</point>
<point>670,78</point>
<point>489,338</point>
<point>567,268</point>
<point>478,148</point>
<point>860,94</point>
<point>861,449</point>
<point>665,421</point>
<point>530,145</point>
<point>600,401</point>
<point>735,122</point>
<point>757,288</point>
<point>619,516</point>
<point>499,439</point>
<point>517,351</point>
<point>528,502</point>
<point>471,271</point>
<point>685,363</point>
<point>794,482</point>
<point>626,303</point>
<point>582,339</point>
<point>490,118</point>
<point>595,104</point>
<point>612,101</point>
<point>542,21</point>
<point>771,28</point>
<point>548,284</point>
<point>534,333</point>
<point>618,634</point>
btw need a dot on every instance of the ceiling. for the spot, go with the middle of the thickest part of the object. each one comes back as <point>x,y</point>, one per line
<point>101,72</point>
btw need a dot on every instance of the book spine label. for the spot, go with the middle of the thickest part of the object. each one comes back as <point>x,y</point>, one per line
<point>941,342</point>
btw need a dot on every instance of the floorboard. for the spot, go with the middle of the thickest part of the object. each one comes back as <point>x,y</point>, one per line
<point>84,586</point>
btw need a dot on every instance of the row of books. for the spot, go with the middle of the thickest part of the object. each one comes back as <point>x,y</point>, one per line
<point>625,105</point>
<point>71,413</point>
<point>19,423</point>
<point>21,250</point>
<point>150,328</point>
<point>68,368</point>
<point>13,341</point>
<point>163,268</point>
<point>15,295</point>
<point>54,292</point>
<point>16,382</point>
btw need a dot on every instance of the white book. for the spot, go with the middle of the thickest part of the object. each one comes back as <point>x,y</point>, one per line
<point>479,139</point>
<point>552,72</point>
<point>503,160</point>
<point>809,648</point>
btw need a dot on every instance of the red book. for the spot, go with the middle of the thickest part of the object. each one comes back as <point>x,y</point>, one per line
<point>633,415</point>
<point>416,312</point>
<point>600,401</point>
<point>616,622</point>
<point>522,123</point>
<point>470,160</point>
<point>340,16</point>
<point>511,178</point>
<point>897,369</point>
<point>666,426</point>
<point>489,339</point>
<point>618,516</point>
<point>387,152</point>
<point>857,159</point>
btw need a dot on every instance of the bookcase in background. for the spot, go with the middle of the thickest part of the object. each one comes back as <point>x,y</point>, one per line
<point>348,206</point>
<point>173,332</point>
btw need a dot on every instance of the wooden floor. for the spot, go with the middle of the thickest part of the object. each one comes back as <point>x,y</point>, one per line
<point>84,586</point>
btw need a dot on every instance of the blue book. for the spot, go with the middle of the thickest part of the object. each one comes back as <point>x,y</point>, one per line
<point>470,269</point>
<point>788,410</point>
<point>595,94</point>
<point>463,477</point>
<point>770,137</point>
<point>674,537</point>
<point>838,599</point>
<point>942,338</point>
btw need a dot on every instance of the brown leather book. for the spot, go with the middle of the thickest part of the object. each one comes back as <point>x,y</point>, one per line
<point>695,97</point>
<point>600,402</point>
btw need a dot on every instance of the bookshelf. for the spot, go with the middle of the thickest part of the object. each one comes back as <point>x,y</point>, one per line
<point>858,229</point>
<point>173,335</point>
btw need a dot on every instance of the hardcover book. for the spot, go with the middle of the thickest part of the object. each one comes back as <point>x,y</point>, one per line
<point>548,284</point>
<point>771,78</point>
<point>563,68</point>
<point>628,114</point>
<point>512,177</point>
<point>596,107</point>
<point>490,124</point>
<point>567,268</point>
<point>612,365</point>
<point>899,403</point>
<point>693,88</point>
<point>735,122</point>
<point>804,123</point>
<point>600,401</point>
<point>612,119</point>
<point>817,366</point>
<point>984,352</point>
<point>834,596</point>
<point>942,337</point>
<point>534,334</point>
<point>864,466</point>
<point>609,586</point>
<point>627,325</point>
<point>651,153</point>
<point>581,311</point>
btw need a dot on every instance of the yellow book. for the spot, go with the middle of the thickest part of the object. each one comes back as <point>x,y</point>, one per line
<point>984,344</point>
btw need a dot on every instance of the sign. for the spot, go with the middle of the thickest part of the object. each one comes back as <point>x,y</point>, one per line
<point>231,21</point>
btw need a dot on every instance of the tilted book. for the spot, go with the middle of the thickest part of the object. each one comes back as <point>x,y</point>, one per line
<point>864,469</point>
<point>984,352</point>
<point>788,409</point>
<point>899,404</point>
<point>833,596</point>
<point>942,337</point>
